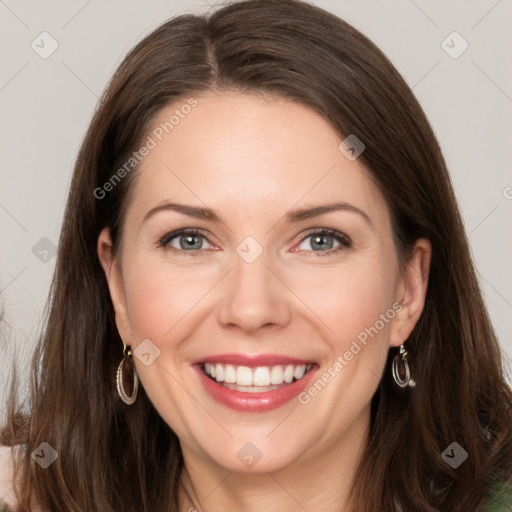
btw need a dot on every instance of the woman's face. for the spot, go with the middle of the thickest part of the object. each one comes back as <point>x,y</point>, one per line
<point>293,304</point>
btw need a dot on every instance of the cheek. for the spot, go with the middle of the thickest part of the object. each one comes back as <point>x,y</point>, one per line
<point>159,295</point>
<point>342,300</point>
<point>348,298</point>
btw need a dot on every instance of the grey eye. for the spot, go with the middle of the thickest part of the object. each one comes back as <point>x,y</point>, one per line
<point>185,241</point>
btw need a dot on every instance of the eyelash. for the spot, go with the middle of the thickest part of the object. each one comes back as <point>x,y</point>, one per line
<point>343,239</point>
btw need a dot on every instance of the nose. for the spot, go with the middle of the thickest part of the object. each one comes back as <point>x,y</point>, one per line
<point>255,296</point>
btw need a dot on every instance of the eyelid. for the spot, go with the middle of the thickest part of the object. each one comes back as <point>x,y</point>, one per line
<point>163,242</point>
<point>326,231</point>
<point>344,240</point>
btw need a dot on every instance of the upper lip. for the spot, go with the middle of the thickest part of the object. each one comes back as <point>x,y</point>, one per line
<point>251,360</point>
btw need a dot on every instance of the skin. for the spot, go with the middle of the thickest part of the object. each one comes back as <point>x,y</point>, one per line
<point>253,159</point>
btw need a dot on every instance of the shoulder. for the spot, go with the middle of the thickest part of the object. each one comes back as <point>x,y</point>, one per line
<point>6,477</point>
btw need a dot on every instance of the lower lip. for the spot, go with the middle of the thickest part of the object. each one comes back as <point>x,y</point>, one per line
<point>254,402</point>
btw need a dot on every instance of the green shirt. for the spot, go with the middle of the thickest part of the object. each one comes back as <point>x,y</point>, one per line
<point>500,498</point>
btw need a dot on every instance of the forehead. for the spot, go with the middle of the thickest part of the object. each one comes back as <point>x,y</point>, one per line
<point>235,150</point>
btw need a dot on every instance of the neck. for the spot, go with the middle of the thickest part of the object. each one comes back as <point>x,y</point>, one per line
<point>319,480</point>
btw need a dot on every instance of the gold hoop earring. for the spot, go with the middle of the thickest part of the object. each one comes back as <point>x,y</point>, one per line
<point>133,386</point>
<point>402,358</point>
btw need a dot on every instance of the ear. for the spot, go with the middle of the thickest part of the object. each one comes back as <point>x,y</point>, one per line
<point>412,291</point>
<point>115,283</point>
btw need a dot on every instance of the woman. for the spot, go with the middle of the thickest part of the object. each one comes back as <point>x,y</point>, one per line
<point>200,353</point>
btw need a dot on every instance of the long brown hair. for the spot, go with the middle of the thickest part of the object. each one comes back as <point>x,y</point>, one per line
<point>117,458</point>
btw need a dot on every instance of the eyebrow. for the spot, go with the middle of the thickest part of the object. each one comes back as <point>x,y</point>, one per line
<point>291,216</point>
<point>308,213</point>
<point>191,211</point>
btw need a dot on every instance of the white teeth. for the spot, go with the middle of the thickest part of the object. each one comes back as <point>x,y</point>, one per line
<point>251,389</point>
<point>262,377</point>
<point>276,375</point>
<point>299,371</point>
<point>229,373</point>
<point>243,376</point>
<point>219,372</point>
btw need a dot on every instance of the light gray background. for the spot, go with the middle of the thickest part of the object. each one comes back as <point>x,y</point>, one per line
<point>46,105</point>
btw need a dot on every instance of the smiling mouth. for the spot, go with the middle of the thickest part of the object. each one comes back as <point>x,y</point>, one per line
<point>259,379</point>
